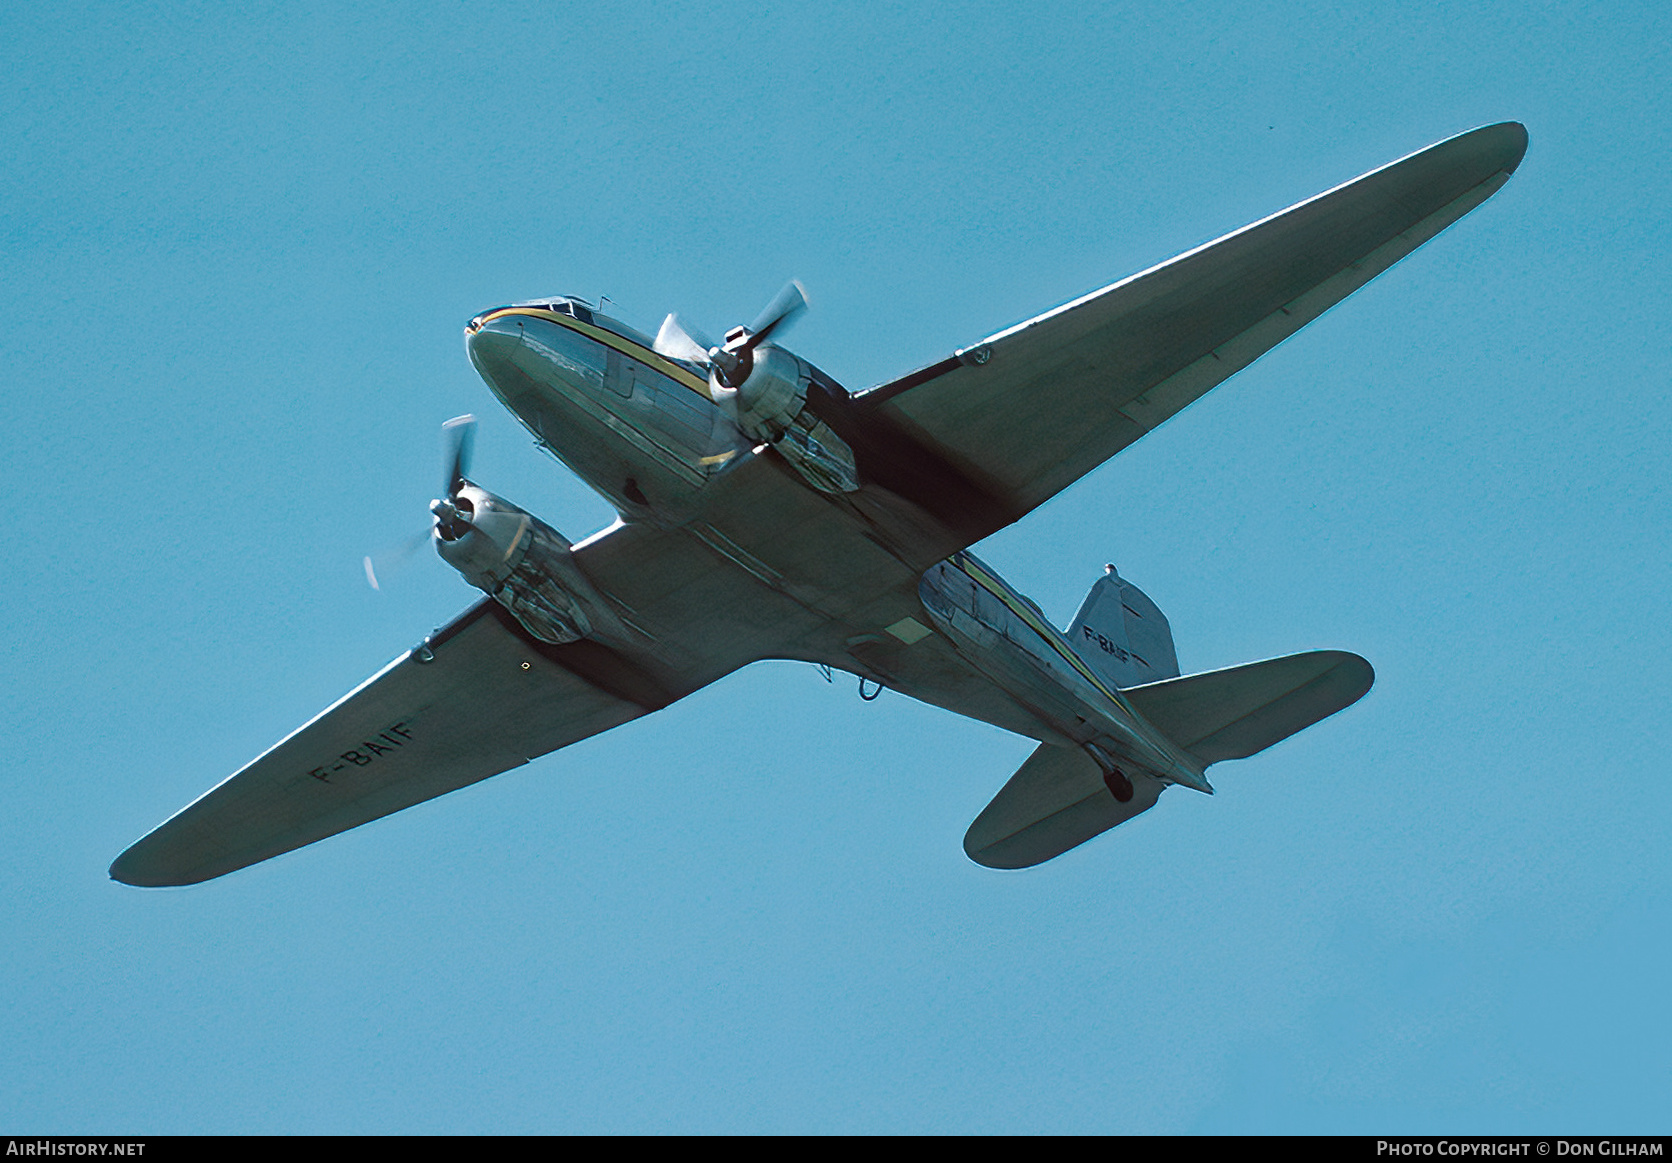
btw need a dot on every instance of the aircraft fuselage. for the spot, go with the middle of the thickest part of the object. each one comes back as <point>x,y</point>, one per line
<point>631,423</point>
<point>644,431</point>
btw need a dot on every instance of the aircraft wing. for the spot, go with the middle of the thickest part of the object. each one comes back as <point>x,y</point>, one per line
<point>485,702</point>
<point>1028,411</point>
<point>479,697</point>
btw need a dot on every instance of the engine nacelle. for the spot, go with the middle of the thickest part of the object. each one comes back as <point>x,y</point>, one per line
<point>771,406</point>
<point>522,563</point>
<point>770,399</point>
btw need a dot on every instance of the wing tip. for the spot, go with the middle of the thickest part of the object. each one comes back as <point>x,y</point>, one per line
<point>125,870</point>
<point>1352,672</point>
<point>1510,140</point>
<point>1500,146</point>
<point>134,867</point>
<point>992,855</point>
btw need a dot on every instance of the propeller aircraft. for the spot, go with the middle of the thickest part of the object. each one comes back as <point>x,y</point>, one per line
<point>767,512</point>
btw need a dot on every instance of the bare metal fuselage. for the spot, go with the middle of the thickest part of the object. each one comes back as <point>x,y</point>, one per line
<point>884,580</point>
<point>768,513</point>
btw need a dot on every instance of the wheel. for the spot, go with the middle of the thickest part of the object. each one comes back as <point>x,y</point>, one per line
<point>1119,786</point>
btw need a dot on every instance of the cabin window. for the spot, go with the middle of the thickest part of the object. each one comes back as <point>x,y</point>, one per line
<point>622,376</point>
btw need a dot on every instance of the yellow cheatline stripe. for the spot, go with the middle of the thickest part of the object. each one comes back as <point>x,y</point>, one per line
<point>610,339</point>
<point>1035,623</point>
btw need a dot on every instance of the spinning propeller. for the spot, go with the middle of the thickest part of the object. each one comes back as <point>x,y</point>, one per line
<point>731,362</point>
<point>453,512</point>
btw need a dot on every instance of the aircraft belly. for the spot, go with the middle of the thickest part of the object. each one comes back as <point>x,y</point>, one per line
<point>615,427</point>
<point>759,514</point>
<point>756,564</point>
<point>1051,692</point>
<point>770,568</point>
<point>932,671</point>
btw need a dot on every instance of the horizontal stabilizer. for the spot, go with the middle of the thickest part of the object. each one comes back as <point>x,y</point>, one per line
<point>1233,713</point>
<point>1055,801</point>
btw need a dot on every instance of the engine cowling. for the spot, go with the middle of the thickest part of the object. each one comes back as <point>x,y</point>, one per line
<point>522,563</point>
<point>770,406</point>
<point>770,399</point>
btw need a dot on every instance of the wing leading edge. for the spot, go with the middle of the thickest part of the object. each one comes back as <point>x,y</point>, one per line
<point>1032,409</point>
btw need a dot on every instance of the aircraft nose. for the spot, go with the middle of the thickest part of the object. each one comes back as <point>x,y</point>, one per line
<point>490,327</point>
<point>492,343</point>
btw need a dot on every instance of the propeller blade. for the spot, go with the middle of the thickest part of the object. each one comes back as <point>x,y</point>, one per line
<point>458,438</point>
<point>383,565</point>
<point>733,362</point>
<point>677,341</point>
<point>460,435</point>
<point>785,306</point>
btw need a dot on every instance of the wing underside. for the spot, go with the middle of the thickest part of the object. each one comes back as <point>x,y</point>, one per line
<point>483,696</point>
<point>487,700</point>
<point>1030,410</point>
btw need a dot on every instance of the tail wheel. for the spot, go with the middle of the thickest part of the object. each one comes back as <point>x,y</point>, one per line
<point>1119,786</point>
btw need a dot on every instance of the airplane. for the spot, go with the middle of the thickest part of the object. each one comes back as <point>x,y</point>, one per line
<point>766,512</point>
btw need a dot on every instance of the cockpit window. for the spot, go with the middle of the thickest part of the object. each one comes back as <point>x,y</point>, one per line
<point>579,309</point>
<point>561,305</point>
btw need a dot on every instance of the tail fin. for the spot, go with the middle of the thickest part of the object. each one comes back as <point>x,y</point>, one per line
<point>1123,635</point>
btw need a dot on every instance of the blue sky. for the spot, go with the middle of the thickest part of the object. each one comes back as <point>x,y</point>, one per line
<point>239,251</point>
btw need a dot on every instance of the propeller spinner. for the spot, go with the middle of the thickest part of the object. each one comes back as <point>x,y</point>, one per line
<point>453,511</point>
<point>731,362</point>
